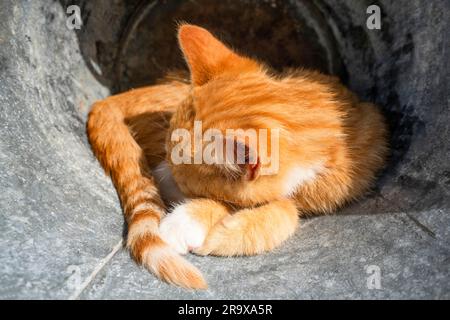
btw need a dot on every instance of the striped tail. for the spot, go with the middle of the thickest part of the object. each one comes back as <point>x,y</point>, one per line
<point>122,158</point>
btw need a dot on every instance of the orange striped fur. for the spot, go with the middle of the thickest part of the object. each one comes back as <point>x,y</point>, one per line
<point>331,147</point>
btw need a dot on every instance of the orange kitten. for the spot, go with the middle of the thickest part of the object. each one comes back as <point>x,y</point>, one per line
<point>330,146</point>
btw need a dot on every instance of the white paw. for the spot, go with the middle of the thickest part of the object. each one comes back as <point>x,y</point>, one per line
<point>179,230</point>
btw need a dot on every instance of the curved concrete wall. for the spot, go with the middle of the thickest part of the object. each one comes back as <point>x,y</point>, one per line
<point>61,226</point>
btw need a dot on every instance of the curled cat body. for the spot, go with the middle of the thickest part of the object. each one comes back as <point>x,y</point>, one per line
<point>330,144</point>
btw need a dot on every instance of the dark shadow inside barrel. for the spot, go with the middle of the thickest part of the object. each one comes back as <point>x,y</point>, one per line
<point>145,45</point>
<point>129,44</point>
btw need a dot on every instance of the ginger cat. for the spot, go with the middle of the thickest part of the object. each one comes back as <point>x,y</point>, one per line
<point>331,146</point>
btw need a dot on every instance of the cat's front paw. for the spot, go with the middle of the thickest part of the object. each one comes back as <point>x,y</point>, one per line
<point>181,231</point>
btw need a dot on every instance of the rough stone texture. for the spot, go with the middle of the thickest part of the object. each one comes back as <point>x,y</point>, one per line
<point>60,217</point>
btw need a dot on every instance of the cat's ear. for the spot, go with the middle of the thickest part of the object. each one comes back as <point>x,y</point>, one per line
<point>242,158</point>
<point>207,57</point>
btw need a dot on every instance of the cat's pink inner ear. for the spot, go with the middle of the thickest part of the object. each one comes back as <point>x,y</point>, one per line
<point>247,159</point>
<point>253,170</point>
<point>206,56</point>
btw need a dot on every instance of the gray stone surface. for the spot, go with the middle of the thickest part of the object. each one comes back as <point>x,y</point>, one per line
<point>61,223</point>
<point>327,258</point>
